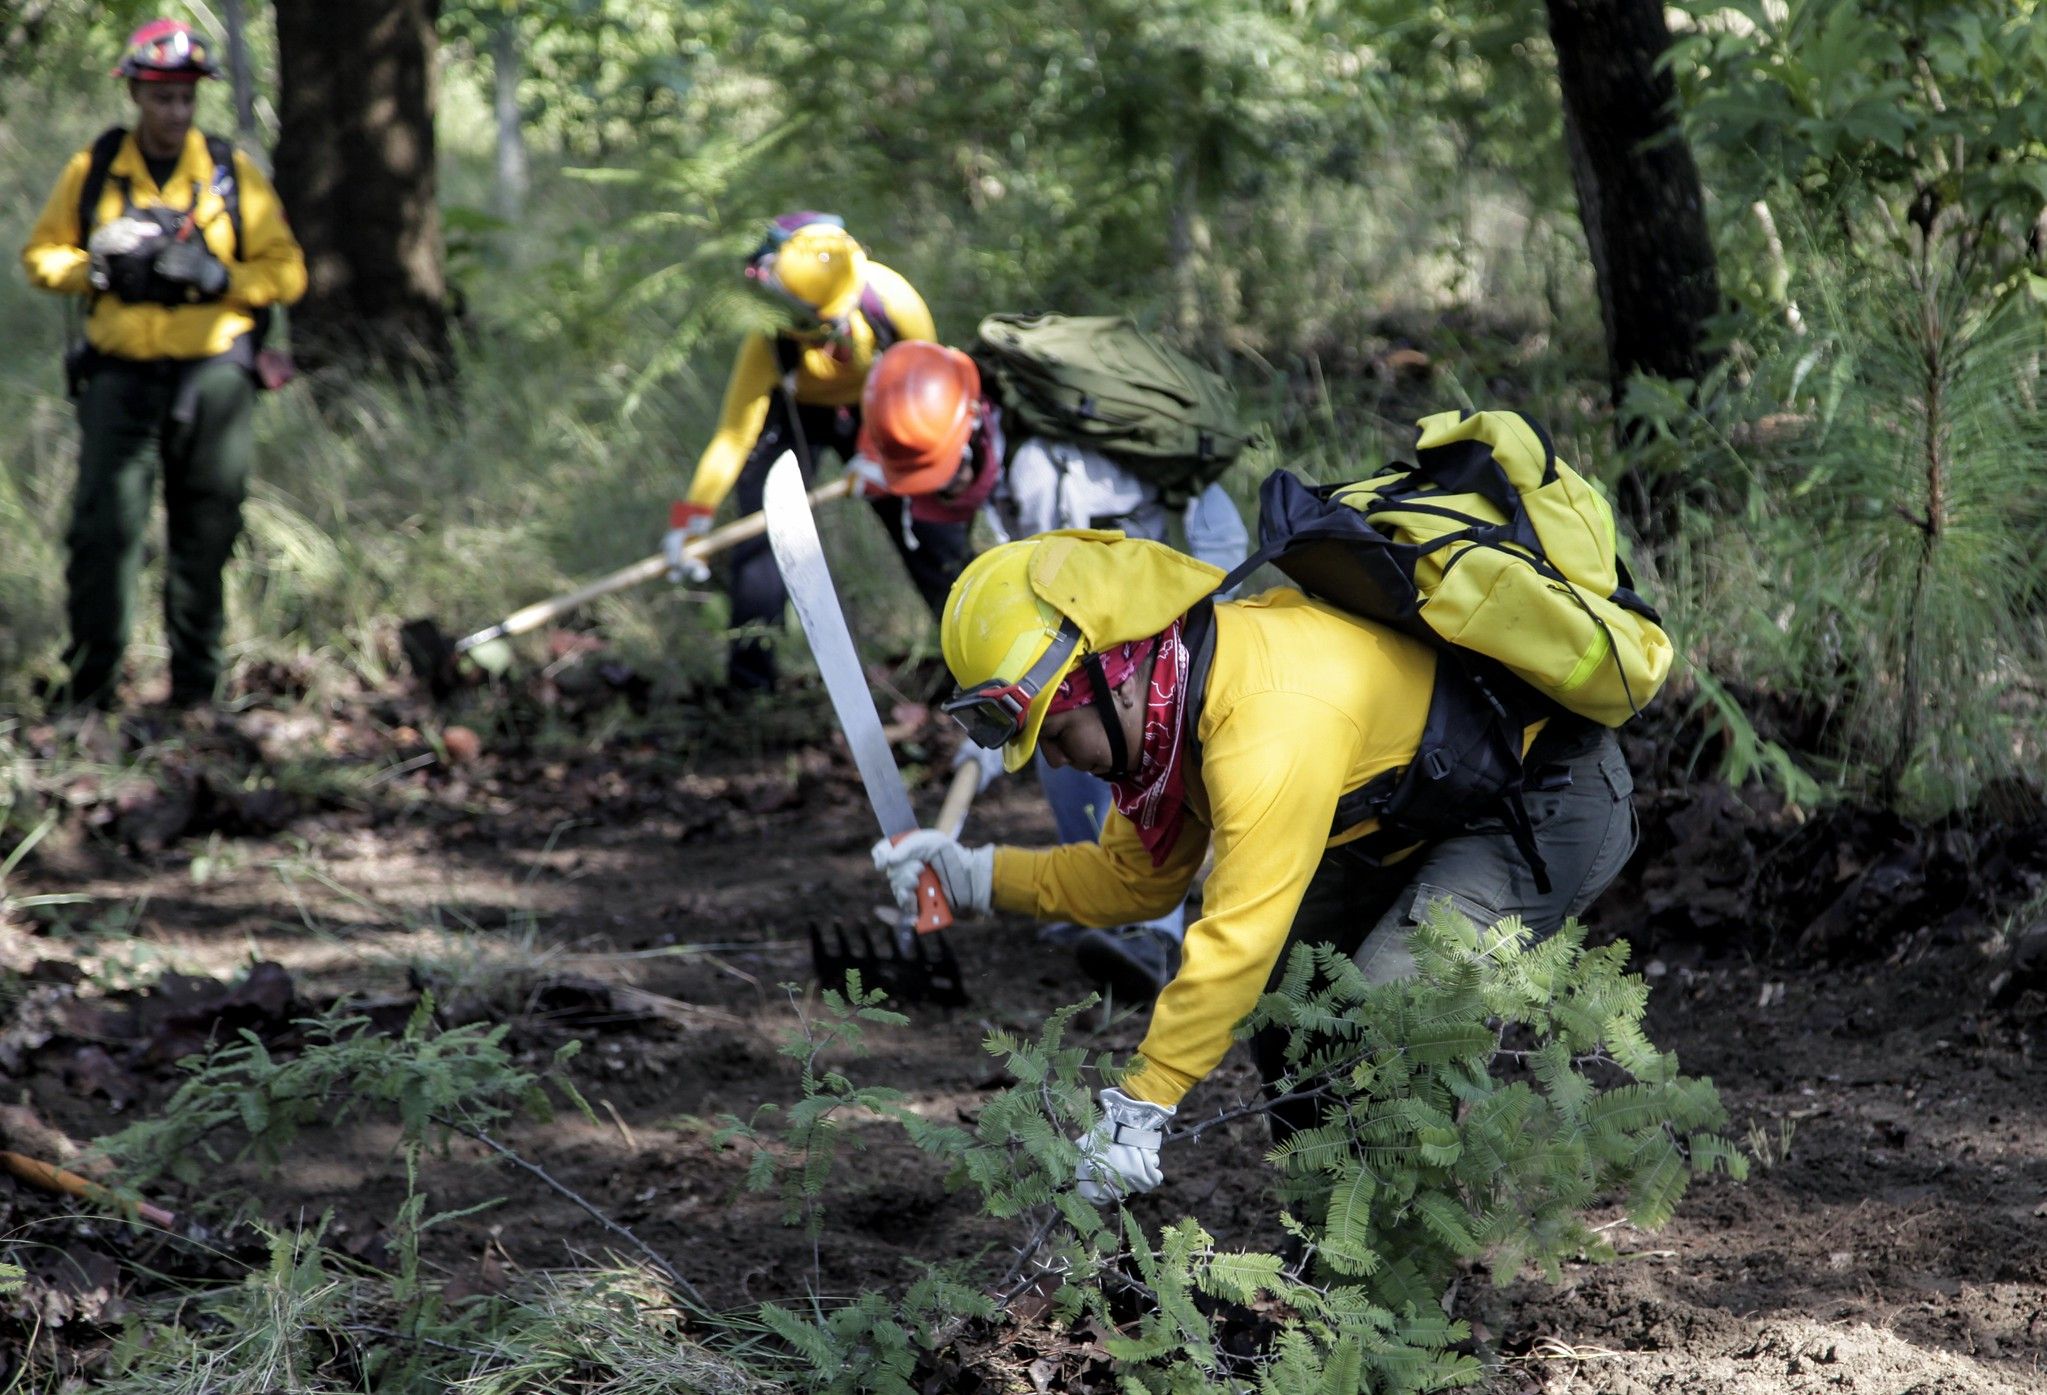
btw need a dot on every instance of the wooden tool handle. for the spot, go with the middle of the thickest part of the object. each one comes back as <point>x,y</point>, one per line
<point>718,540</point>
<point>959,796</point>
<point>55,1179</point>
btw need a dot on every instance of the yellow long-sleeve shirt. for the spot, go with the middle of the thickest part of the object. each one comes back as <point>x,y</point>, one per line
<point>270,271</point>
<point>1303,704</point>
<point>826,376</point>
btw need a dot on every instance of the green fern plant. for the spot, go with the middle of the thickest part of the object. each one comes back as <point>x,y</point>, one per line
<point>1439,1145</point>
<point>463,1080</point>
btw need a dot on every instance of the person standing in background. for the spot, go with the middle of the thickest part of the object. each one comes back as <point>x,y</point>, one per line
<point>180,247</point>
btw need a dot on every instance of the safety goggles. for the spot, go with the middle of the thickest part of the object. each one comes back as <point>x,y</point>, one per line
<point>993,713</point>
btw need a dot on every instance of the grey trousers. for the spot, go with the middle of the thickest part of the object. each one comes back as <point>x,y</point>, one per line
<point>1581,801</point>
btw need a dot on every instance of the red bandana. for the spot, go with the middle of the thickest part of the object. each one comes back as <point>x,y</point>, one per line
<point>1154,799</point>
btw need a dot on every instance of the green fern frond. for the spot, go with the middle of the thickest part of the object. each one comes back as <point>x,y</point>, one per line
<point>1447,1221</point>
<point>1658,1184</point>
<point>1348,1221</point>
<point>1632,1049</point>
<point>1239,1276</point>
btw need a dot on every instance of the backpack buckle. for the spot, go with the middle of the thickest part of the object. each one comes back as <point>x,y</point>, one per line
<point>1435,763</point>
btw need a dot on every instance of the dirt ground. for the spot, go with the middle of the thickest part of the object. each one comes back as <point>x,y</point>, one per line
<point>1884,1068</point>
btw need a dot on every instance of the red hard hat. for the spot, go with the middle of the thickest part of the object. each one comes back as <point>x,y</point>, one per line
<point>166,50</point>
<point>916,413</point>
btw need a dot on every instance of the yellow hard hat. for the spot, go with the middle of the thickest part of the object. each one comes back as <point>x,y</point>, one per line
<point>822,266</point>
<point>1008,649</point>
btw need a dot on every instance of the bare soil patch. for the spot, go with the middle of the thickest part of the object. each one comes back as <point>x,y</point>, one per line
<point>1887,1066</point>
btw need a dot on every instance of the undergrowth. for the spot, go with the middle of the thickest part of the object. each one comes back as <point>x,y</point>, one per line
<point>1486,1112</point>
<point>1440,1145</point>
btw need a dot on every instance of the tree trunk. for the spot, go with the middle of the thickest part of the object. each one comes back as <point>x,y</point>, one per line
<point>240,77</point>
<point>355,168</point>
<point>1638,189</point>
<point>513,178</point>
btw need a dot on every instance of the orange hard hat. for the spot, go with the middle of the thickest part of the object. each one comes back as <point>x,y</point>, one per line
<point>917,413</point>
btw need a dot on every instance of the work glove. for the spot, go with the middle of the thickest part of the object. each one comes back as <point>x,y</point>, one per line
<point>120,255</point>
<point>968,753</point>
<point>686,523</point>
<point>868,480</point>
<point>965,875</point>
<point>188,273</point>
<point>1119,1157</point>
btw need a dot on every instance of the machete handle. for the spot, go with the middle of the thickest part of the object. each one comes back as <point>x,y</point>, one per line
<point>934,912</point>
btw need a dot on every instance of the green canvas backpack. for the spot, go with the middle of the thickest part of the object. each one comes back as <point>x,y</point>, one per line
<point>1100,381</point>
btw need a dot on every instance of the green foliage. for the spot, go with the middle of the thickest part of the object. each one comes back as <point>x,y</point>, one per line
<point>1439,1146</point>
<point>814,1128</point>
<point>1920,105</point>
<point>313,1321</point>
<point>1431,1154</point>
<point>427,1078</point>
<point>1886,566</point>
<point>435,1082</point>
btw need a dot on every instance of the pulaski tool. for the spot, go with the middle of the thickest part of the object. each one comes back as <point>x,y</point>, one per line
<point>442,662</point>
<point>921,963</point>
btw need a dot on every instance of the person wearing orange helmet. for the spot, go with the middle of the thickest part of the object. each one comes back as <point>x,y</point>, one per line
<point>799,389</point>
<point>937,436</point>
<point>180,248</point>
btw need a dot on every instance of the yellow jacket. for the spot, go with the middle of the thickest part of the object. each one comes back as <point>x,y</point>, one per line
<point>1304,703</point>
<point>823,379</point>
<point>270,271</point>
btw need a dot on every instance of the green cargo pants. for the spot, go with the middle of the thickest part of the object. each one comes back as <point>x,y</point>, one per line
<point>133,416</point>
<point>1580,798</point>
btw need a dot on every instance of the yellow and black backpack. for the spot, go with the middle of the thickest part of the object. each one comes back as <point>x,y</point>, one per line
<point>1506,560</point>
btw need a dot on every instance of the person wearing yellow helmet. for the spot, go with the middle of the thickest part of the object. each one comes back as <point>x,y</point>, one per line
<point>1268,730</point>
<point>941,440</point>
<point>178,249</point>
<point>799,388</point>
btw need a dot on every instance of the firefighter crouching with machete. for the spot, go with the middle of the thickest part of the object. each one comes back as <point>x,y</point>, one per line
<point>1241,725</point>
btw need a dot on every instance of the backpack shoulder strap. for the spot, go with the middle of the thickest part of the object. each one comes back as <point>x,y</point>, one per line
<point>875,309</point>
<point>1199,637</point>
<point>222,151</point>
<point>105,147</point>
<point>788,354</point>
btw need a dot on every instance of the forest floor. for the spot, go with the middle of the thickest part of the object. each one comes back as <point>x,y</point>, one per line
<point>1878,1044</point>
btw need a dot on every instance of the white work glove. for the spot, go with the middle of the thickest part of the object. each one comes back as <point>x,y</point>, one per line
<point>1119,1157</point>
<point>965,875</point>
<point>967,753</point>
<point>868,480</point>
<point>686,523</point>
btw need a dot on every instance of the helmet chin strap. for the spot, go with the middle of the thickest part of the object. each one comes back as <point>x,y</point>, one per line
<point>1112,720</point>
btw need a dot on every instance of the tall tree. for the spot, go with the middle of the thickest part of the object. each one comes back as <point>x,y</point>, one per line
<point>355,167</point>
<point>1639,194</point>
<point>513,178</point>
